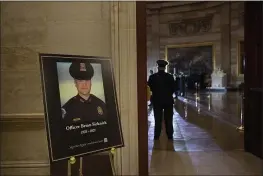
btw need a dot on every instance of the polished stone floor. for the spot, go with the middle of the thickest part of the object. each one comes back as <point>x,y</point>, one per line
<point>206,141</point>
<point>227,107</point>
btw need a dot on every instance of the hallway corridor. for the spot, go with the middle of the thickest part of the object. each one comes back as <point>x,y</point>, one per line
<point>203,143</point>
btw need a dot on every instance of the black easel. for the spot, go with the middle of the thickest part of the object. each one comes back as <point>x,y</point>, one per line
<point>91,165</point>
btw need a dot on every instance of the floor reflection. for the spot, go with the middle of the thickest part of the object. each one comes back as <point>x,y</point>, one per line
<point>226,106</point>
<point>204,144</point>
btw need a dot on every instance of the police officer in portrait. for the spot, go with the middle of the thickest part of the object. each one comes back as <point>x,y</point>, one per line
<point>84,106</point>
<point>162,85</point>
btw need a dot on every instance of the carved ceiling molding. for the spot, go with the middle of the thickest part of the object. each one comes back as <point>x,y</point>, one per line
<point>191,26</point>
<point>154,11</point>
<point>169,4</point>
<point>173,7</point>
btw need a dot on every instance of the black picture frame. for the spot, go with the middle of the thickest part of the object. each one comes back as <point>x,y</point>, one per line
<point>63,143</point>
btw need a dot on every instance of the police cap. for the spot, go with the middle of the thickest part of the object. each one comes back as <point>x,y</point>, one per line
<point>162,63</point>
<point>81,70</point>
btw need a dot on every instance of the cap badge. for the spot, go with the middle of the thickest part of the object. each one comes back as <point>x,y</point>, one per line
<point>100,111</point>
<point>82,67</point>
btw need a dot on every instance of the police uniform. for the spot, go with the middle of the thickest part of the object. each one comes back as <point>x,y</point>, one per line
<point>162,85</point>
<point>78,109</point>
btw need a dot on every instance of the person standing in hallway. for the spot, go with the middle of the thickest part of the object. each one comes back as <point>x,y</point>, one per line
<point>162,85</point>
<point>151,73</point>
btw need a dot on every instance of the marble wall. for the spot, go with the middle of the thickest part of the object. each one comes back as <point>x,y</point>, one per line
<point>76,28</point>
<point>179,24</point>
<point>30,28</point>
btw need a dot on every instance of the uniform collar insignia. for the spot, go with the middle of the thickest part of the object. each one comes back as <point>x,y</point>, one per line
<point>82,99</point>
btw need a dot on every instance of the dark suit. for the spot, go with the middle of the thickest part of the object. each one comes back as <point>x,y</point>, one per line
<point>162,85</point>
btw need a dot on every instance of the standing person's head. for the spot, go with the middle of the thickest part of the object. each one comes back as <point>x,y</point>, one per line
<point>162,65</point>
<point>151,72</point>
<point>82,74</point>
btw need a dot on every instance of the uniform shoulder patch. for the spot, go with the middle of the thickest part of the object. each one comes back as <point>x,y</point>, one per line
<point>63,112</point>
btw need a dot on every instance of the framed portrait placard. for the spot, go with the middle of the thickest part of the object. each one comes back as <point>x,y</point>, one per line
<point>81,110</point>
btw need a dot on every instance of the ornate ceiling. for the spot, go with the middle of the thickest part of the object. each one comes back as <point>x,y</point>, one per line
<point>180,6</point>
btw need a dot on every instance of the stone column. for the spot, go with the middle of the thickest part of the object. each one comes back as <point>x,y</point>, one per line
<point>155,48</point>
<point>226,40</point>
<point>123,43</point>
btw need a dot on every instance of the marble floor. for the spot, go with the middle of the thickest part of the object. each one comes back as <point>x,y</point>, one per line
<point>206,141</point>
<point>227,107</point>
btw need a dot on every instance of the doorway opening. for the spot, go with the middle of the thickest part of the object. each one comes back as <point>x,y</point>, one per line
<point>208,110</point>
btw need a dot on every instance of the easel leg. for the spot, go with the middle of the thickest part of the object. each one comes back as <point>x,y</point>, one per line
<point>83,166</point>
<point>73,169</point>
<point>69,168</point>
<point>80,166</point>
<point>111,156</point>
